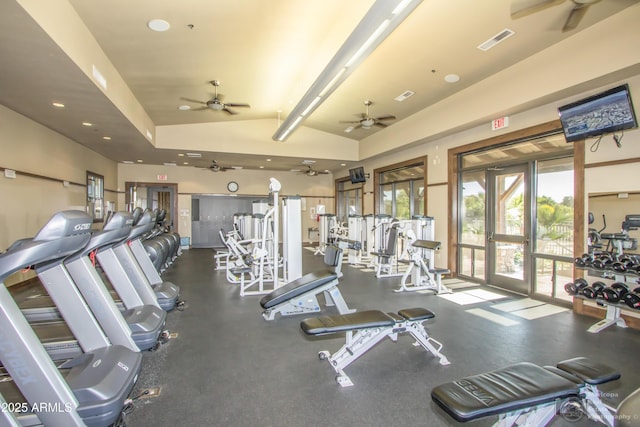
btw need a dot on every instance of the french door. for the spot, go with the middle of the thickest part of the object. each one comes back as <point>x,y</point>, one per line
<point>508,228</point>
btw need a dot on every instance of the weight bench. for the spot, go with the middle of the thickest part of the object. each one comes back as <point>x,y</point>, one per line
<point>529,394</point>
<point>301,295</point>
<point>367,328</point>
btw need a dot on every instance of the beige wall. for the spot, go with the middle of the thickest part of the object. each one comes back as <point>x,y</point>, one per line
<point>27,202</point>
<point>194,181</point>
<point>618,178</point>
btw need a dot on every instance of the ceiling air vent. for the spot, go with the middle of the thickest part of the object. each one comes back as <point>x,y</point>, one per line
<point>404,95</point>
<point>502,35</point>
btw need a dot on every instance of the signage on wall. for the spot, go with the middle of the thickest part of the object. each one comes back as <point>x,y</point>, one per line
<point>162,177</point>
<point>500,123</point>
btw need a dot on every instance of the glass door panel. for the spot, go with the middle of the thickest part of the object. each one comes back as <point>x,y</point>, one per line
<point>508,221</point>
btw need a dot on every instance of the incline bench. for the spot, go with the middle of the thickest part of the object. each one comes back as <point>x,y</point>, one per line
<point>530,394</point>
<point>301,295</point>
<point>367,328</point>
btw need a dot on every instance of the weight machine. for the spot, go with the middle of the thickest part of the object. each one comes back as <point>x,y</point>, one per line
<point>325,236</point>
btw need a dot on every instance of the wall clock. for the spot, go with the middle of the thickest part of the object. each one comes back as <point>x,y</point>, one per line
<point>233,186</point>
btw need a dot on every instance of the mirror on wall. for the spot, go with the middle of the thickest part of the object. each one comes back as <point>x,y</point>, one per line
<point>609,212</point>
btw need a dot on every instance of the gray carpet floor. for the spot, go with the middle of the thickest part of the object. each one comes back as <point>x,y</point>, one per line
<point>229,367</point>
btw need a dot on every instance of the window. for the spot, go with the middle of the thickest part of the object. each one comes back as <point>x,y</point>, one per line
<point>95,196</point>
<point>401,189</point>
<point>348,200</point>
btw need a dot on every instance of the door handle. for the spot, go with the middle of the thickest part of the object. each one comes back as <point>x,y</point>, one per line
<point>525,241</point>
<point>490,236</point>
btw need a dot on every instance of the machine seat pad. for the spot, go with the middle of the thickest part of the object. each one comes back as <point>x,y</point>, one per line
<point>426,244</point>
<point>439,271</point>
<point>507,389</point>
<point>418,313</point>
<point>589,371</point>
<point>298,287</point>
<point>346,322</point>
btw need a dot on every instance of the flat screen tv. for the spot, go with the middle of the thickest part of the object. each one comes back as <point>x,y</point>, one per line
<point>356,175</point>
<point>606,112</point>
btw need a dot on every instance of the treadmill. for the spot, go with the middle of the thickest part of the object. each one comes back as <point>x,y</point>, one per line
<point>88,390</point>
<point>138,327</point>
<point>141,271</point>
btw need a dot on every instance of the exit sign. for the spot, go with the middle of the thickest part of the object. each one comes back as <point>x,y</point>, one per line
<point>162,177</point>
<point>500,123</point>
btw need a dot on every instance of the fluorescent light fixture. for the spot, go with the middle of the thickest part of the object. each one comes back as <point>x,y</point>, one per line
<point>58,104</point>
<point>380,21</point>
<point>99,77</point>
<point>194,155</point>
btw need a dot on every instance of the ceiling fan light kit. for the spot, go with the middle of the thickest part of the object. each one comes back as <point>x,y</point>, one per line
<point>380,21</point>
<point>216,103</point>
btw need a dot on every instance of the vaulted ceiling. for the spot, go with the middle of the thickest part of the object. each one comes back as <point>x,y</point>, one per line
<point>263,53</point>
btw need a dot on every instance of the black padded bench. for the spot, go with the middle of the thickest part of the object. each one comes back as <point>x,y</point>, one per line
<point>365,329</point>
<point>529,393</point>
<point>300,296</point>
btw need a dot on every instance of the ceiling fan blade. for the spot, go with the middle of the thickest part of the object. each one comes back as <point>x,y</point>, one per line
<point>229,111</point>
<point>388,117</point>
<point>194,100</point>
<point>345,121</point>
<point>382,125</point>
<point>357,127</point>
<point>576,15</point>
<point>235,104</point>
<point>523,8</point>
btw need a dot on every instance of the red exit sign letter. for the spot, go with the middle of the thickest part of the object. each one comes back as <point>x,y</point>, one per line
<point>162,177</point>
<point>500,123</point>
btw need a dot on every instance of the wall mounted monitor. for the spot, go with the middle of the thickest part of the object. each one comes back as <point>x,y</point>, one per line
<point>357,175</point>
<point>606,112</point>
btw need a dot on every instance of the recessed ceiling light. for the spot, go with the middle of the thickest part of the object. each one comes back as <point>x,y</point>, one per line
<point>158,25</point>
<point>139,161</point>
<point>185,163</point>
<point>184,107</point>
<point>169,163</point>
<point>343,164</point>
<point>58,104</point>
<point>87,124</point>
<point>127,161</point>
<point>261,167</point>
<point>180,155</point>
<point>268,160</point>
<point>106,138</point>
<point>451,78</point>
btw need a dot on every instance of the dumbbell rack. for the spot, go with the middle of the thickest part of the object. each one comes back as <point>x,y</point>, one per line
<point>613,316</point>
<point>614,310</point>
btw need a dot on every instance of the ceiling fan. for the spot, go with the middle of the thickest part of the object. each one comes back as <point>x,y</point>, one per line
<point>312,172</point>
<point>216,103</point>
<point>523,8</point>
<point>366,121</point>
<point>215,167</point>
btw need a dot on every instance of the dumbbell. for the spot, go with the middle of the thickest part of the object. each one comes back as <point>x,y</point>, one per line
<point>575,288</point>
<point>603,261</point>
<point>615,292</point>
<point>594,291</point>
<point>583,261</point>
<point>632,299</point>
